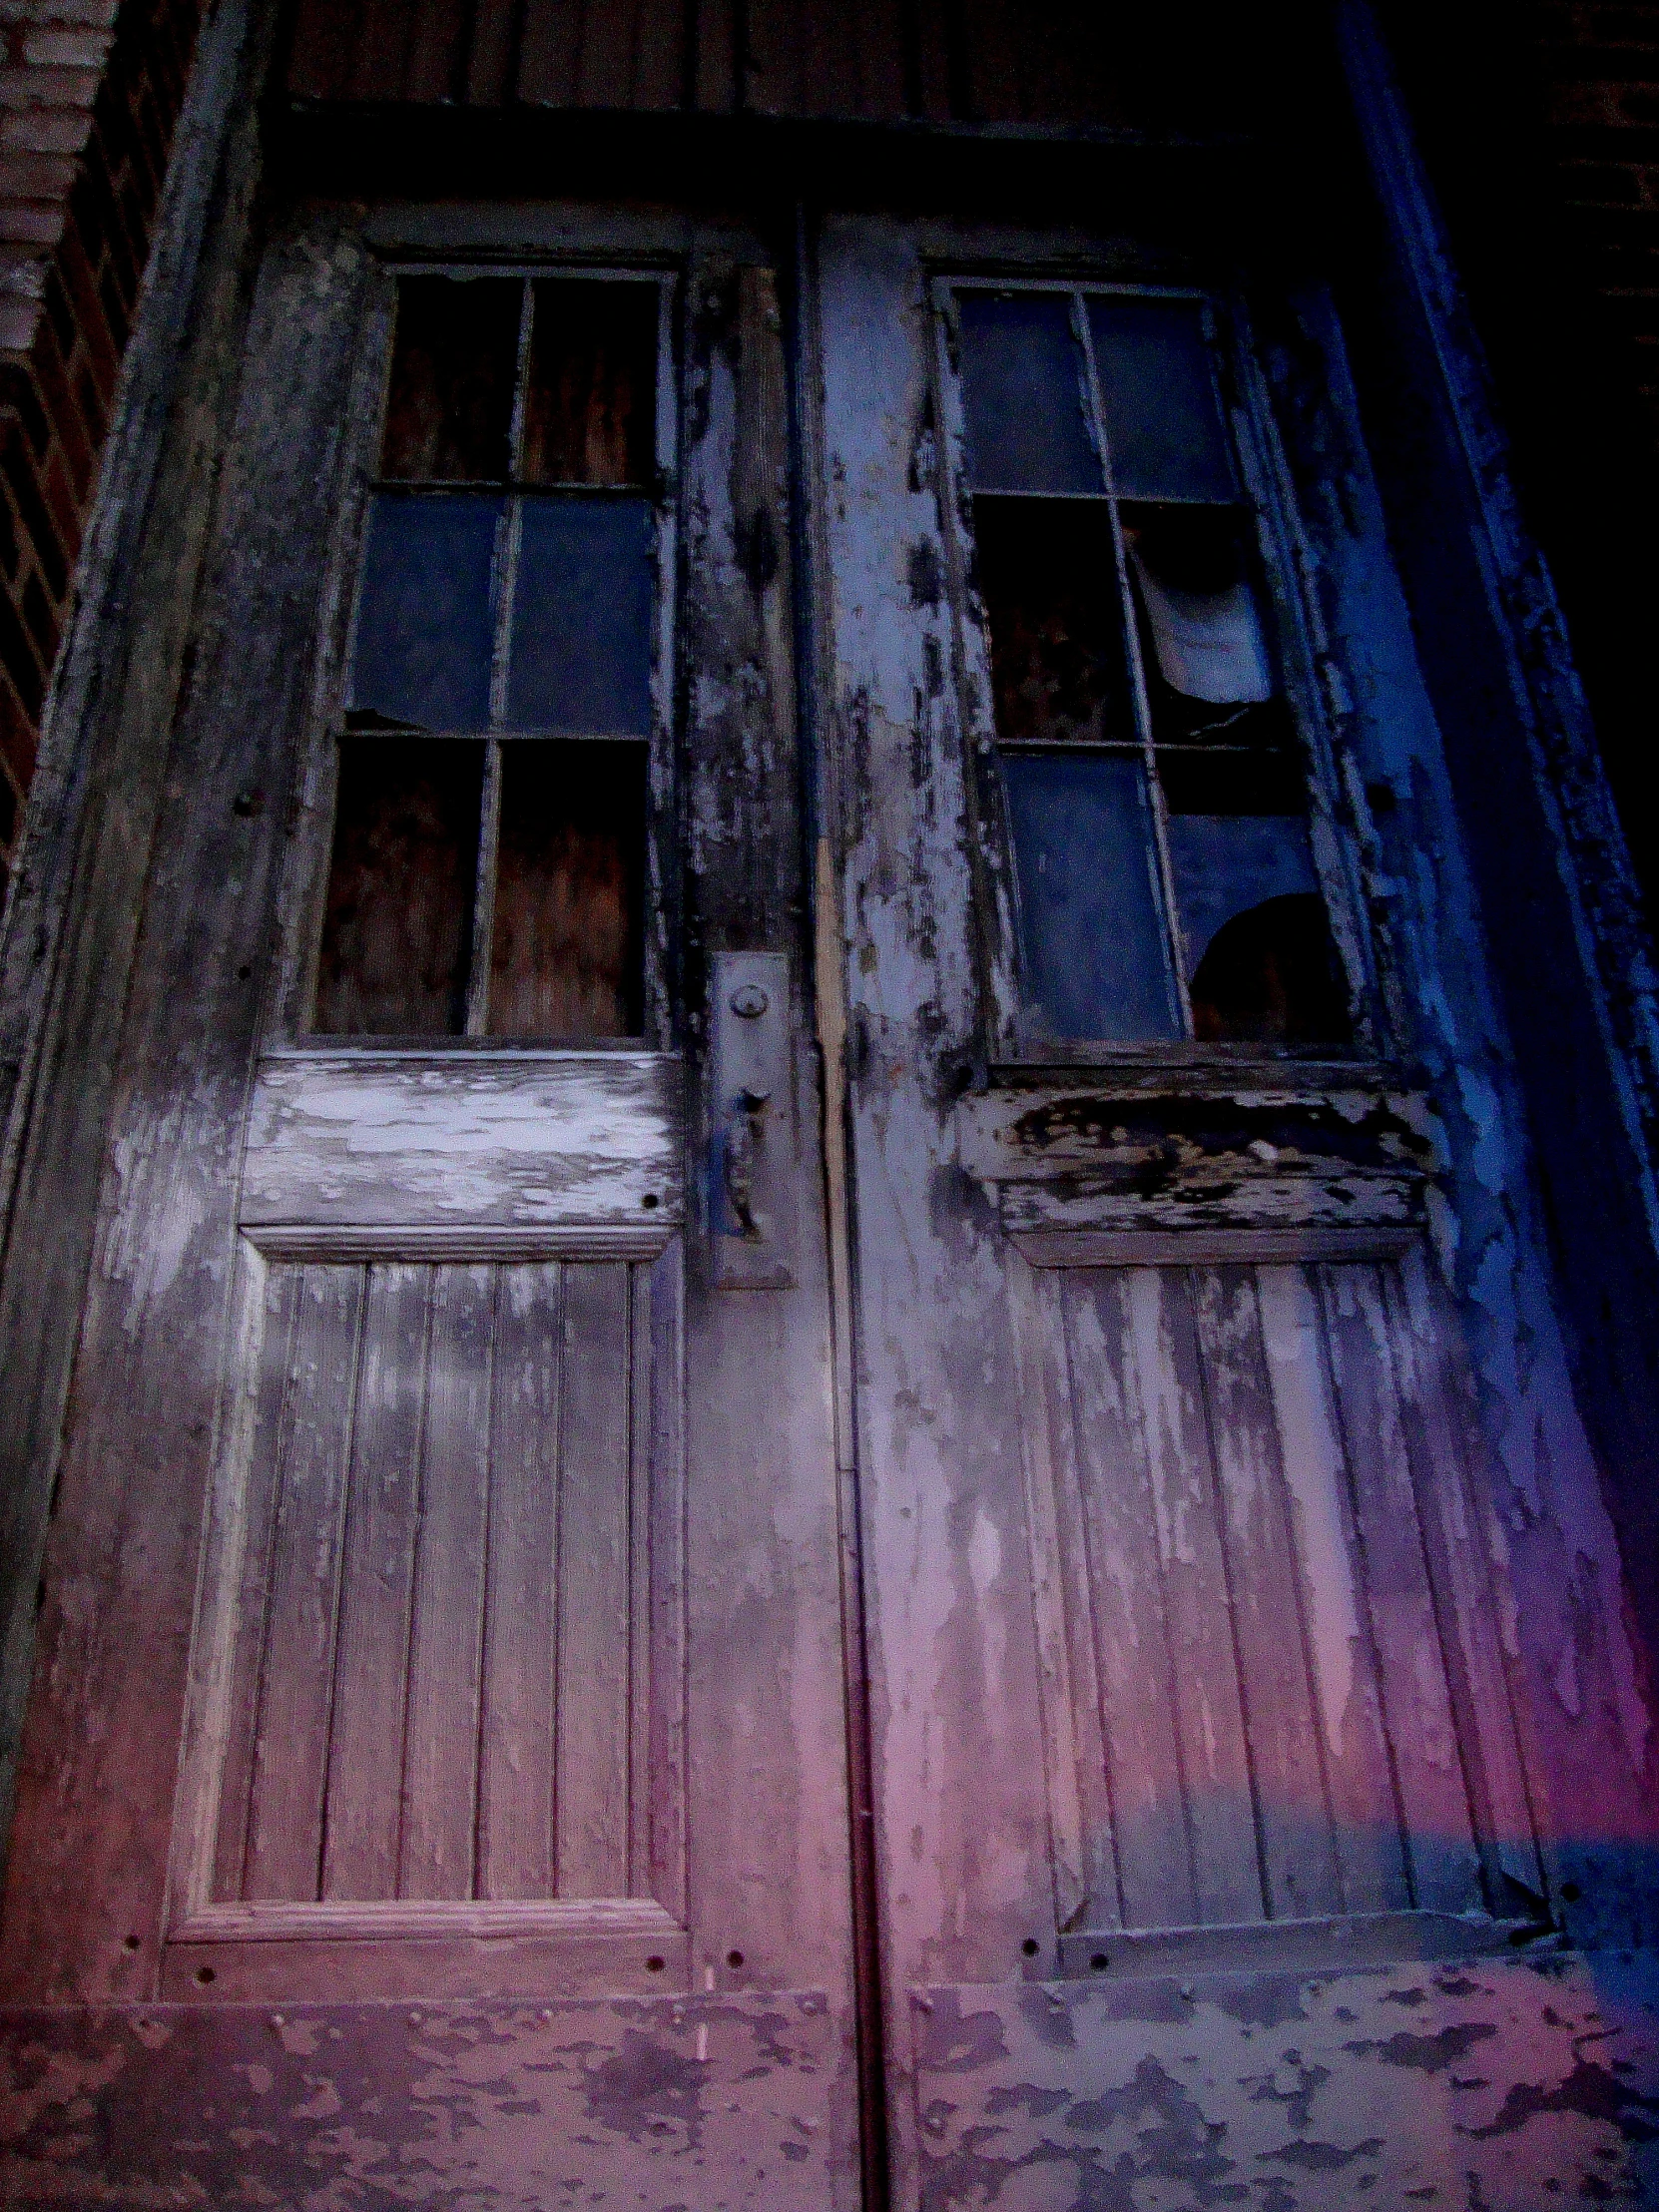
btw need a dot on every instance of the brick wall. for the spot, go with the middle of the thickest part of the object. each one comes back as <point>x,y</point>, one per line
<point>90,91</point>
<point>1601,69</point>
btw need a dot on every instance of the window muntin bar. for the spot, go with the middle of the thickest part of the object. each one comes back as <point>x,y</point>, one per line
<point>1240,949</point>
<point>508,596</point>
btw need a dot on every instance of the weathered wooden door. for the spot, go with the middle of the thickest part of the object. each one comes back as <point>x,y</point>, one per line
<point>438,1719</point>
<point>1196,1689</point>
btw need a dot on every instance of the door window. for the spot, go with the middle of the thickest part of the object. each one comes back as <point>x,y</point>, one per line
<point>1150,771</point>
<point>488,867</point>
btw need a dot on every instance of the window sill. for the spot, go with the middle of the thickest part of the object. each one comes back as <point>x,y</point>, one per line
<point>1189,1068</point>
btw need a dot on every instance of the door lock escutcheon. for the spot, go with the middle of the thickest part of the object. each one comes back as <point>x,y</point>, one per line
<point>752,1125</point>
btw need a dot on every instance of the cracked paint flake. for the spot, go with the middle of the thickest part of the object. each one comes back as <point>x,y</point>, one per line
<point>1512,2087</point>
<point>718,2103</point>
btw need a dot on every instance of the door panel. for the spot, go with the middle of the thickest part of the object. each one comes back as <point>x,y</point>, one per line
<point>1193,1662</point>
<point>444,1585</point>
<point>1231,1470</point>
<point>435,1692</point>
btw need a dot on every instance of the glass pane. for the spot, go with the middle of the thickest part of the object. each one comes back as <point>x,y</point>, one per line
<point>424,618</point>
<point>581,651</point>
<point>1049,575</point>
<point>1163,422</point>
<point>1091,934</point>
<point>568,895</point>
<point>1223,863</point>
<point>590,409</point>
<point>450,405</point>
<point>399,910</point>
<point>1022,393</point>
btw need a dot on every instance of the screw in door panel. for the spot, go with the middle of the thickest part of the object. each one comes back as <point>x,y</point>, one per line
<point>749,1001</point>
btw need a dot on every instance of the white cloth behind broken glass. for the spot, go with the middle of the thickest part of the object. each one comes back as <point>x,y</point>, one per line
<point>1209,645</point>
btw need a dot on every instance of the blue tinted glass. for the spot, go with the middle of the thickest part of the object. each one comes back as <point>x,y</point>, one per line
<point>1090,930</point>
<point>1163,422</point>
<point>1024,395</point>
<point>1223,863</point>
<point>581,650</point>
<point>423,620</point>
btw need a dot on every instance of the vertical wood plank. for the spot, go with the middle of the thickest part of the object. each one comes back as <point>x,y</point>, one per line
<point>715,70</point>
<point>1120,1592</point>
<point>492,60</point>
<point>1369,1845</point>
<point>1221,1812</point>
<point>292,1731</point>
<point>876,34</point>
<point>1417,1703</point>
<point>441,1774</point>
<point>593,1715</point>
<point>826,68</point>
<point>380,52</point>
<point>641,1410</point>
<point>605,54</point>
<point>667,1785</point>
<point>1439,1427</point>
<point>936,36</point>
<point>365,1764</point>
<point>660,55</point>
<point>990,38</point>
<point>436,39</point>
<point>1298,1861</point>
<point>319,60</point>
<point>1074,1747</point>
<point>777,49</point>
<point>548,50</point>
<point>279,1301</point>
<point>515,1792</point>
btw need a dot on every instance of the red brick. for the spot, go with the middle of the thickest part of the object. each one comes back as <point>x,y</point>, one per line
<point>17,736</point>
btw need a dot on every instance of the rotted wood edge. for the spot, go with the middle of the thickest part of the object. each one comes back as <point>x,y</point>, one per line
<point>76,906</point>
<point>1314,1946</point>
<point>1203,1246</point>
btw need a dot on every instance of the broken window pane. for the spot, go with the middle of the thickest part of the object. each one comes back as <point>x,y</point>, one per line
<point>566,960</point>
<point>590,407</point>
<point>1272,975</point>
<point>451,403</point>
<point>1223,863</point>
<point>1024,395</point>
<point>1091,931</point>
<point>399,905</point>
<point>425,616</point>
<point>1163,423</point>
<point>581,639</point>
<point>1048,576</point>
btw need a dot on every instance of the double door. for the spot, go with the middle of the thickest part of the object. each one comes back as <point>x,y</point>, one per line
<point>765,1415</point>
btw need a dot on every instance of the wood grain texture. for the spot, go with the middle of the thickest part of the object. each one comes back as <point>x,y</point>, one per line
<point>1254,1620</point>
<point>502,1140</point>
<point>436,1844</point>
<point>457,1674</point>
<point>521,1599</point>
<point>595,1534</point>
<point>1406,1624</point>
<point>75,910</point>
<point>370,1682</point>
<point>1266,1600</point>
<point>303,1469</point>
<point>154,1322</point>
<point>1323,1541</point>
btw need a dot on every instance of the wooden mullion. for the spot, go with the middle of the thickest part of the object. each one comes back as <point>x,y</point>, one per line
<point>483,894</point>
<point>1162,865</point>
